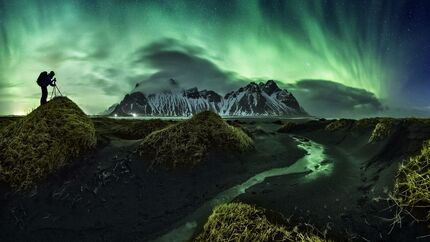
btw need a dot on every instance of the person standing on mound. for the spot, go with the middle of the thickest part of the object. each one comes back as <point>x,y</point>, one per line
<point>44,80</point>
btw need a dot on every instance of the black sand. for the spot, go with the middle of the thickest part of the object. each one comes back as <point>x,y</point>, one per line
<point>110,195</point>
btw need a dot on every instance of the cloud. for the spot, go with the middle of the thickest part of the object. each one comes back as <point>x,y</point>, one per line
<point>188,65</point>
<point>4,85</point>
<point>93,49</point>
<point>108,87</point>
<point>330,99</point>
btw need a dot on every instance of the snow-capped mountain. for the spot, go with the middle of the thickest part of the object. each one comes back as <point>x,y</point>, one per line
<point>263,99</point>
<point>260,99</point>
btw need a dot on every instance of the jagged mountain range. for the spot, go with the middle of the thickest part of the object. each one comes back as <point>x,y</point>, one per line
<point>254,99</point>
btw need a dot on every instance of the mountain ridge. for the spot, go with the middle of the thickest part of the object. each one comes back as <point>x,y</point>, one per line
<point>254,99</point>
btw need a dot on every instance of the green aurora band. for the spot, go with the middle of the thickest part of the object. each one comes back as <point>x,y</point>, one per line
<point>90,42</point>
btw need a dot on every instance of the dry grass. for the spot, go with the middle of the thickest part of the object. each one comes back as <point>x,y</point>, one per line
<point>340,124</point>
<point>43,142</point>
<point>243,222</point>
<point>287,127</point>
<point>383,129</point>
<point>5,121</point>
<point>186,143</point>
<point>412,185</point>
<point>366,123</point>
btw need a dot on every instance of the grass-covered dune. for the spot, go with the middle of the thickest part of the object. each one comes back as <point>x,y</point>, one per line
<point>185,144</point>
<point>43,142</point>
<point>243,222</point>
<point>340,124</point>
<point>412,185</point>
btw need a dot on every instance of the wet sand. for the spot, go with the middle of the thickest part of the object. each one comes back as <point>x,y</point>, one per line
<point>311,163</point>
<point>348,203</point>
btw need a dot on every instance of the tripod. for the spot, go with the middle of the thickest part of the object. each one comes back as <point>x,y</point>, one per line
<point>56,92</point>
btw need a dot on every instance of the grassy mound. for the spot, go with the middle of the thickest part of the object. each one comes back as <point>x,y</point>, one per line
<point>5,121</point>
<point>186,143</point>
<point>412,185</point>
<point>43,141</point>
<point>287,127</point>
<point>242,222</point>
<point>370,123</point>
<point>340,124</point>
<point>382,130</point>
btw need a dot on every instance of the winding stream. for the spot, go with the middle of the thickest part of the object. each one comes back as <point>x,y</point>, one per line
<point>312,164</point>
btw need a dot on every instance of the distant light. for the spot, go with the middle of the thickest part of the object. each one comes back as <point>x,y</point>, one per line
<point>115,115</point>
<point>19,113</point>
<point>134,115</point>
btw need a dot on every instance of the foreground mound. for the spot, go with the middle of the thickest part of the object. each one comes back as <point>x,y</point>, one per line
<point>242,222</point>
<point>412,186</point>
<point>5,121</point>
<point>43,141</point>
<point>186,143</point>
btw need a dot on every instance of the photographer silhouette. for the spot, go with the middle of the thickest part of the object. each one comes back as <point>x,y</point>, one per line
<point>44,80</point>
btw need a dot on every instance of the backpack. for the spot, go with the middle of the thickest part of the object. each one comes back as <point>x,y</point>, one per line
<point>42,77</point>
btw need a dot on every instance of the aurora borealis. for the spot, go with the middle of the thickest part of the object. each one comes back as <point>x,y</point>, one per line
<point>100,49</point>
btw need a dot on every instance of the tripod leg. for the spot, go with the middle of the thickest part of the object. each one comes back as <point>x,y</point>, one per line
<point>52,94</point>
<point>58,89</point>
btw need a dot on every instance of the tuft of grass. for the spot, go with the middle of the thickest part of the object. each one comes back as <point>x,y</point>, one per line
<point>243,222</point>
<point>383,129</point>
<point>412,185</point>
<point>287,127</point>
<point>43,142</point>
<point>186,143</point>
<point>340,124</point>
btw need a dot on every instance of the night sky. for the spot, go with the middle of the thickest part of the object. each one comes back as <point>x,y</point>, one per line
<point>340,58</point>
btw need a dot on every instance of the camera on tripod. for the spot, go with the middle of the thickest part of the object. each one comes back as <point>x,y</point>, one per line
<point>55,90</point>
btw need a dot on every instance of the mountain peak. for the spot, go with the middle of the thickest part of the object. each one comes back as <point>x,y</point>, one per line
<point>192,93</point>
<point>271,87</point>
<point>271,82</point>
<point>253,87</point>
